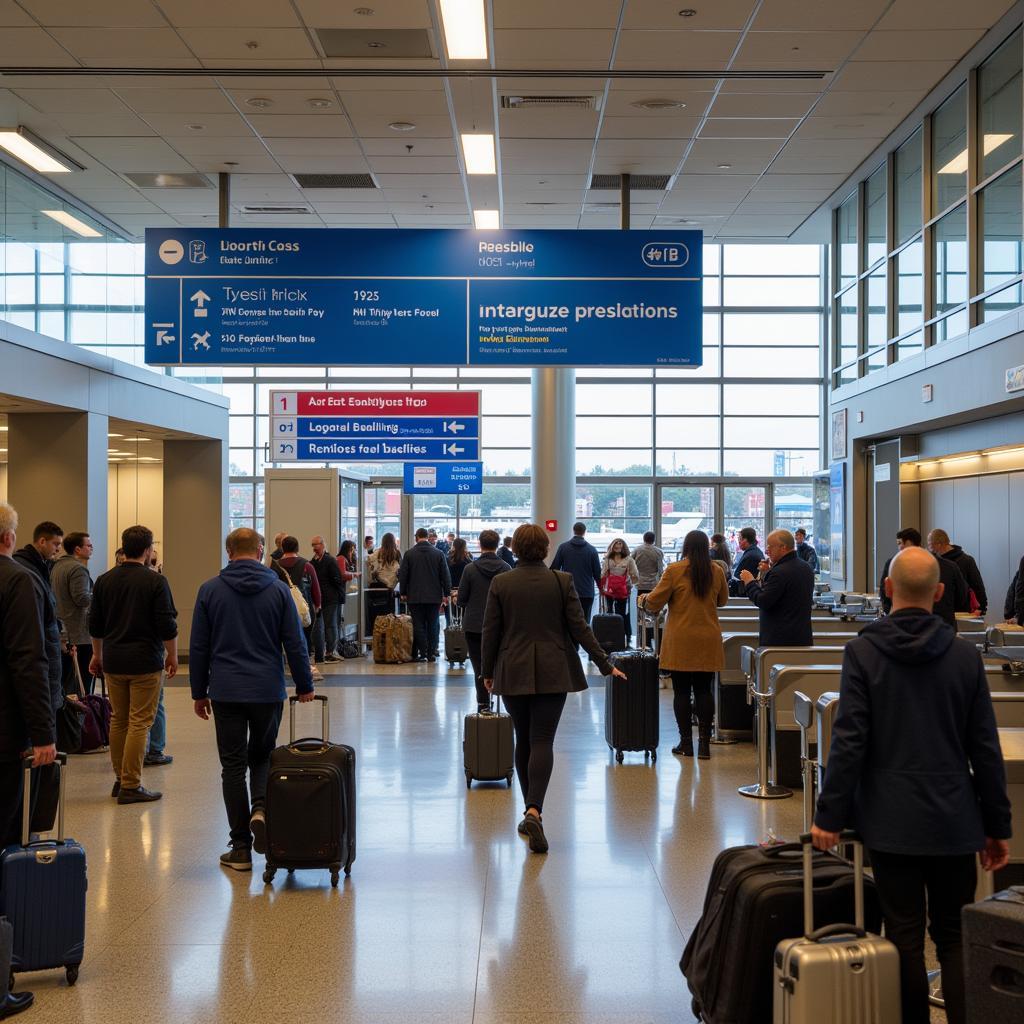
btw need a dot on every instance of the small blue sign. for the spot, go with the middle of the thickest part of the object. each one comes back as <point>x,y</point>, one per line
<point>444,478</point>
<point>371,450</point>
<point>453,428</point>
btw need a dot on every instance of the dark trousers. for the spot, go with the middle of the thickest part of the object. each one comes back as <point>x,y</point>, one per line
<point>691,691</point>
<point>325,630</point>
<point>535,721</point>
<point>12,783</point>
<point>916,890</point>
<point>588,607</point>
<point>246,734</point>
<point>426,629</point>
<point>621,607</point>
<point>84,656</point>
<point>640,618</point>
<point>473,642</point>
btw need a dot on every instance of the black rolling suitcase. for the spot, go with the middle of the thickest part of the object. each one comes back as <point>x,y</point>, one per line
<point>754,901</point>
<point>994,956</point>
<point>488,744</point>
<point>610,630</point>
<point>455,648</point>
<point>631,705</point>
<point>379,601</point>
<point>311,803</point>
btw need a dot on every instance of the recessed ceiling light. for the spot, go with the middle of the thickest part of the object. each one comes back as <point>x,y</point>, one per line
<point>259,103</point>
<point>478,149</point>
<point>196,127</point>
<point>320,103</point>
<point>402,126</point>
<point>465,29</point>
<point>687,12</point>
<point>73,223</point>
<point>27,147</point>
<point>658,105</point>
<point>363,12</point>
<point>376,44</point>
<point>252,44</point>
<point>486,220</point>
<point>724,167</point>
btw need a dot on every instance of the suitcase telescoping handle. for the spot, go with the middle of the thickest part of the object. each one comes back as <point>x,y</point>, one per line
<point>325,726</point>
<point>26,799</point>
<point>858,890</point>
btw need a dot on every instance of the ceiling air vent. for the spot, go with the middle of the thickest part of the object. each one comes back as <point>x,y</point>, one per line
<point>526,102</point>
<point>646,182</point>
<point>376,43</point>
<point>334,180</point>
<point>283,211</point>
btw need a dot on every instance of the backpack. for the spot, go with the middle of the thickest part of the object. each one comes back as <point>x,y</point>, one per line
<point>301,597</point>
<point>615,588</point>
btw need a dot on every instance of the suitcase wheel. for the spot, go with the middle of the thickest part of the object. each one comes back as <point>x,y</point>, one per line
<point>268,876</point>
<point>469,780</point>
<point>291,871</point>
<point>71,973</point>
<point>654,756</point>
<point>508,779</point>
<point>335,874</point>
<point>619,756</point>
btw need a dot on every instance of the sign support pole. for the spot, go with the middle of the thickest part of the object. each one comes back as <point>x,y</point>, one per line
<point>224,199</point>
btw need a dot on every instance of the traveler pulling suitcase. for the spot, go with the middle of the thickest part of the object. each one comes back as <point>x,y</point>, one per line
<point>838,974</point>
<point>311,803</point>
<point>455,649</point>
<point>42,894</point>
<point>610,630</point>
<point>392,639</point>
<point>754,901</point>
<point>631,705</point>
<point>487,747</point>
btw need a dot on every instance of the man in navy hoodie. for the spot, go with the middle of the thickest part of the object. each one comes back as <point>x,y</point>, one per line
<point>579,557</point>
<point>242,619</point>
<point>915,766</point>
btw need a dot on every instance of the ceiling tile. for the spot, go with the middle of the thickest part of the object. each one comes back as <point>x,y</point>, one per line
<point>126,124</point>
<point>286,101</point>
<point>413,221</point>
<point>779,86</point>
<point>301,126</point>
<point>435,195</point>
<point>563,123</point>
<point>556,156</point>
<point>665,152</point>
<point>809,49</point>
<point>938,14</point>
<point>763,104</point>
<point>662,15</point>
<point>376,126</point>
<point>119,47</point>
<point>667,50</point>
<point>397,146</point>
<point>199,145</point>
<point>389,14</point>
<point>840,155</point>
<point>133,155</point>
<point>696,205</point>
<point>101,13</point>
<point>844,104</point>
<point>396,104</point>
<point>860,126</point>
<point>681,126</point>
<point>231,43</point>
<point>359,220</point>
<point>250,163</point>
<point>366,206</point>
<point>297,163</point>
<point>411,164</point>
<point>539,220</point>
<point>31,46</point>
<point>799,15</point>
<point>251,14</point>
<point>933,44</point>
<point>225,126</point>
<point>73,100</point>
<point>12,14</point>
<point>621,101</point>
<point>516,47</point>
<point>748,128</point>
<point>776,179</point>
<point>888,76</point>
<point>420,182</point>
<point>191,102</point>
<point>552,181</point>
<point>746,156</point>
<point>542,14</point>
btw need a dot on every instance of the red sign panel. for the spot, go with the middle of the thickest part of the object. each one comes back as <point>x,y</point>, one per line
<point>377,403</point>
<point>551,525</point>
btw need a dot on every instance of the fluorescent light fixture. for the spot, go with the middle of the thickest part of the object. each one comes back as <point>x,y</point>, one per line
<point>23,145</point>
<point>78,226</point>
<point>486,220</point>
<point>478,149</point>
<point>465,29</point>
<point>115,435</point>
<point>958,165</point>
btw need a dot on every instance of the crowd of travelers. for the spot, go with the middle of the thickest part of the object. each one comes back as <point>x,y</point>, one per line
<point>62,633</point>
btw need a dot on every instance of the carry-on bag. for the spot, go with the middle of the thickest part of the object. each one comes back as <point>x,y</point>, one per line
<point>455,647</point>
<point>378,600</point>
<point>631,705</point>
<point>753,901</point>
<point>488,744</point>
<point>839,974</point>
<point>311,802</point>
<point>993,934</point>
<point>42,893</point>
<point>97,715</point>
<point>609,629</point>
<point>392,639</point>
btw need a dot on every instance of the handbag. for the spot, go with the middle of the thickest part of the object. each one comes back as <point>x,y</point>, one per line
<point>615,588</point>
<point>301,604</point>
<point>96,716</point>
<point>975,603</point>
<point>69,725</point>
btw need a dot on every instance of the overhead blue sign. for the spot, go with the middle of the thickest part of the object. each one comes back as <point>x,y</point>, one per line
<point>450,428</point>
<point>316,297</point>
<point>444,478</point>
<point>370,450</point>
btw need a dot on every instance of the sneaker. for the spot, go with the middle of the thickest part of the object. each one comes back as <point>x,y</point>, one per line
<point>155,760</point>
<point>535,833</point>
<point>141,795</point>
<point>117,787</point>
<point>258,828</point>
<point>333,657</point>
<point>316,674</point>
<point>238,859</point>
<point>432,659</point>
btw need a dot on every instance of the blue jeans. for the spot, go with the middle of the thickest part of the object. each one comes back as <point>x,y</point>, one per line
<point>325,631</point>
<point>158,734</point>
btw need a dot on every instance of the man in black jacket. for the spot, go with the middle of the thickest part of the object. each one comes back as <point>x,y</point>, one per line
<point>748,560</point>
<point>26,714</point>
<point>805,550</point>
<point>332,597</point>
<point>784,597</point>
<point>424,583</point>
<point>955,595</point>
<point>580,558</point>
<point>915,766</point>
<point>939,545</point>
<point>37,558</point>
<point>474,587</point>
<point>134,628</point>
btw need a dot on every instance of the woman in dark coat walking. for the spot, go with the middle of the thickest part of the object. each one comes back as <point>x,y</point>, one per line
<point>532,624</point>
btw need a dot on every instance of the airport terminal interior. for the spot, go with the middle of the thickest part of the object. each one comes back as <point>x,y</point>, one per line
<point>803,307</point>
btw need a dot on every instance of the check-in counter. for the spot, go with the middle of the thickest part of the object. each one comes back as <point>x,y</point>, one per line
<point>1012,742</point>
<point>1007,689</point>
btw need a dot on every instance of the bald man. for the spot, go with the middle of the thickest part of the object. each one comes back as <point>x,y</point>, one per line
<point>784,596</point>
<point>915,766</point>
<point>940,546</point>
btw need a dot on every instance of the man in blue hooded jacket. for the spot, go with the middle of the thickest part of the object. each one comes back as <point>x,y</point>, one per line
<point>242,619</point>
<point>580,558</point>
<point>916,767</point>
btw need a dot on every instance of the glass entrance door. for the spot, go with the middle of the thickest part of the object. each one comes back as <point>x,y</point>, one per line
<point>680,510</point>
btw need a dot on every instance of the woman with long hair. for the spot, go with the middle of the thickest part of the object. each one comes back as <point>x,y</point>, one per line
<point>720,552</point>
<point>382,565</point>
<point>347,554</point>
<point>694,588</point>
<point>458,558</point>
<point>619,575</point>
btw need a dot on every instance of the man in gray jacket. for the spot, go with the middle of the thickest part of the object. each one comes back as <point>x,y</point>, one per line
<point>650,564</point>
<point>425,584</point>
<point>474,587</point>
<point>72,587</point>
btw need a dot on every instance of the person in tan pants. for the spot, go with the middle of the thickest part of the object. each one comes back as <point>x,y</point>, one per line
<point>134,629</point>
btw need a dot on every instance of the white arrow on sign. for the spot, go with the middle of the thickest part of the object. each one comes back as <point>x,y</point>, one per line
<point>453,449</point>
<point>454,427</point>
<point>200,298</point>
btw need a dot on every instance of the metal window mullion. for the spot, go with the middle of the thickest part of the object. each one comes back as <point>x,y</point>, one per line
<point>927,255</point>
<point>973,224</point>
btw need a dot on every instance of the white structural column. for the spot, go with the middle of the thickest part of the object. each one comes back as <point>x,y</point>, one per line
<point>553,479</point>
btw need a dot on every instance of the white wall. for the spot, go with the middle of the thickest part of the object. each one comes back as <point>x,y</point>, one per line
<point>982,514</point>
<point>135,496</point>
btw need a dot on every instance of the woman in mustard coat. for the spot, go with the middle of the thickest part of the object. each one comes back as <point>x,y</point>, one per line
<point>694,588</point>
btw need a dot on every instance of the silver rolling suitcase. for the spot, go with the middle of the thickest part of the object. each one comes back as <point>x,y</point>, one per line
<point>838,974</point>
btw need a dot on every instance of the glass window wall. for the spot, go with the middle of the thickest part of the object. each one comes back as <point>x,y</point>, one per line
<point>908,188</point>
<point>949,151</point>
<point>999,103</point>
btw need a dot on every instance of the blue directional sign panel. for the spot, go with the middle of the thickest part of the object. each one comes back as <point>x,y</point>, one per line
<point>444,478</point>
<point>316,297</point>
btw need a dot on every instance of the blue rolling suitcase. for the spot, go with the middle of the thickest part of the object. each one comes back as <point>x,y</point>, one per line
<point>42,894</point>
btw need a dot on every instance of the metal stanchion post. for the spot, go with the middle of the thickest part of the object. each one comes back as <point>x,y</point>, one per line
<point>716,733</point>
<point>764,788</point>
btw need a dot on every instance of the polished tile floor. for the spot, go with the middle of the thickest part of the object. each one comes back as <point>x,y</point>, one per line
<point>447,918</point>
